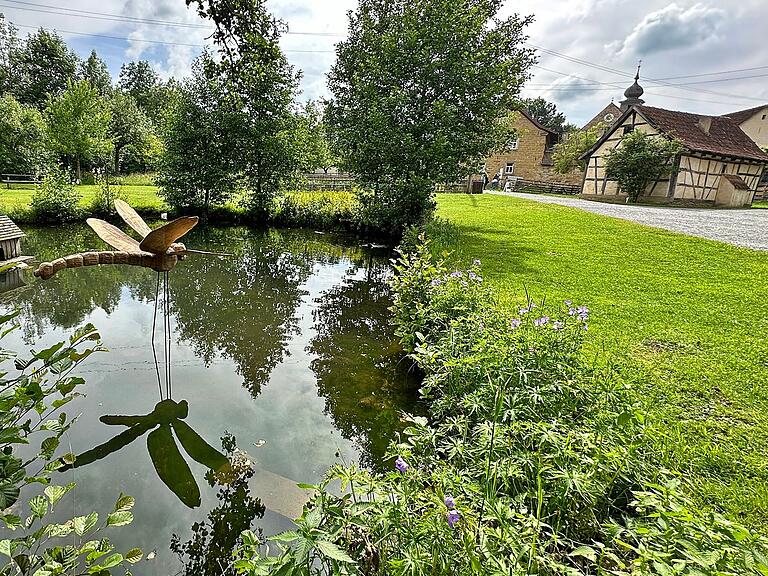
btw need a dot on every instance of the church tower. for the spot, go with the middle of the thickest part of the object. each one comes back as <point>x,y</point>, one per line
<point>633,93</point>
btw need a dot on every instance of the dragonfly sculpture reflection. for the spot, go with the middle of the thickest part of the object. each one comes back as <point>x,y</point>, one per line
<point>159,250</point>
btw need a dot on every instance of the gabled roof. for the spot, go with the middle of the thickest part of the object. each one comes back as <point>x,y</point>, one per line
<point>742,116</point>
<point>600,116</point>
<point>9,230</point>
<point>724,137</point>
<point>536,123</point>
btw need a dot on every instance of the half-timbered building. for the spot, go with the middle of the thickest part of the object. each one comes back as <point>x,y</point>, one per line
<point>754,122</point>
<point>720,164</point>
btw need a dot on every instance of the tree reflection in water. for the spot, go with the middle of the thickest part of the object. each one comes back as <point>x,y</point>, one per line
<point>209,551</point>
<point>359,366</point>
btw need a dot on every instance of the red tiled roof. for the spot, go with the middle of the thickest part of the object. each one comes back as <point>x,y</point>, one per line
<point>724,137</point>
<point>536,123</point>
<point>742,116</point>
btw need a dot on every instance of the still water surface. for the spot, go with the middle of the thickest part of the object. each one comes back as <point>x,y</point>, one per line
<point>286,347</point>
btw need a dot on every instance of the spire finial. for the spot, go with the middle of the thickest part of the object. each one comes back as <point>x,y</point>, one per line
<point>637,76</point>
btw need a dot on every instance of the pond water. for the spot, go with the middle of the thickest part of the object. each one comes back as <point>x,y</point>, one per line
<point>285,346</point>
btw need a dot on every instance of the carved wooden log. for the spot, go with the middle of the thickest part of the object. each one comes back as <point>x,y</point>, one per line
<point>159,263</point>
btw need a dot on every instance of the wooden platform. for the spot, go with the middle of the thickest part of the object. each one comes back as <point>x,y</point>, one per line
<point>17,260</point>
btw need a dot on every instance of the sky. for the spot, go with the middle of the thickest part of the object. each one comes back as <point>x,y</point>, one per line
<point>706,56</point>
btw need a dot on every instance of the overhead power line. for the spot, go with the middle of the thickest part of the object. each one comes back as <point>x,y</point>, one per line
<point>66,11</point>
<point>162,42</point>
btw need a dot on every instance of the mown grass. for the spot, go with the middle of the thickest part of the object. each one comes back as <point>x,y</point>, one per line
<point>685,318</point>
<point>143,198</point>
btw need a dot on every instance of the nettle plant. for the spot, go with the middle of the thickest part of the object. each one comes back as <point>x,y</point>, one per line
<point>532,461</point>
<point>32,392</point>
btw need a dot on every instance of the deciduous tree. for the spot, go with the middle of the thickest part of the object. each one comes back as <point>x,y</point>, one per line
<point>78,121</point>
<point>128,125</point>
<point>639,160</point>
<point>43,65</point>
<point>415,96</point>
<point>567,154</point>
<point>197,166</point>
<point>22,138</point>
<point>95,71</point>
<point>311,139</point>
<point>263,85</point>
<point>545,113</point>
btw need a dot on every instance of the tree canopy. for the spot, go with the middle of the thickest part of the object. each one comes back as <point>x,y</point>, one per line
<point>546,114</point>
<point>567,154</point>
<point>414,97</point>
<point>78,121</point>
<point>95,71</point>
<point>263,85</point>
<point>22,138</point>
<point>639,160</point>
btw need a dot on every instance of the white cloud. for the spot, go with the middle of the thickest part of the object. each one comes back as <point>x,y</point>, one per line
<point>673,27</point>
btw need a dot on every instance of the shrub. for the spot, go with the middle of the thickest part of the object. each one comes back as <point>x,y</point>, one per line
<point>108,190</point>
<point>532,460</point>
<point>55,199</point>
<point>319,210</point>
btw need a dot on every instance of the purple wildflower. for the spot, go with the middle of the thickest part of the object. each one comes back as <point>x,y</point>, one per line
<point>541,321</point>
<point>457,274</point>
<point>453,517</point>
<point>476,262</point>
<point>436,282</point>
<point>450,503</point>
<point>514,323</point>
<point>568,303</point>
<point>583,312</point>
<point>585,327</point>
<point>571,311</point>
<point>524,310</point>
<point>557,325</point>
<point>401,465</point>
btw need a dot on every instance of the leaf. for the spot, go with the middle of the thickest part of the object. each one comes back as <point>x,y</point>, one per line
<point>84,524</point>
<point>330,550</point>
<point>112,561</point>
<point>11,521</point>
<point>286,537</point>
<point>134,555</point>
<point>585,552</point>
<point>171,467</point>
<point>124,503</point>
<point>46,354</point>
<point>5,548</point>
<point>121,518</point>
<point>39,506</point>
<point>87,332</point>
<point>313,518</point>
<point>9,494</point>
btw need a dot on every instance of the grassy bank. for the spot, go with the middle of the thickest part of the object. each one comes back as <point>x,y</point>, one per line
<point>685,317</point>
<point>144,198</point>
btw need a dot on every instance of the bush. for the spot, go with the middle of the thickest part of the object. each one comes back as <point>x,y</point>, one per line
<point>109,190</point>
<point>55,199</point>
<point>394,207</point>
<point>319,210</point>
<point>532,461</point>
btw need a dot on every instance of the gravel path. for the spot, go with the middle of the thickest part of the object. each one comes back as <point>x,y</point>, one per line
<point>747,227</point>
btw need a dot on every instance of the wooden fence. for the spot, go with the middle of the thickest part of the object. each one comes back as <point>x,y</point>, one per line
<point>535,187</point>
<point>321,181</point>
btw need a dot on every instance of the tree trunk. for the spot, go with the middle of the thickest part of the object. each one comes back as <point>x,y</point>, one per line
<point>117,160</point>
<point>77,161</point>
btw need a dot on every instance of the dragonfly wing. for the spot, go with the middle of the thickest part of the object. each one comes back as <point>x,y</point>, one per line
<point>113,236</point>
<point>132,218</point>
<point>198,449</point>
<point>159,240</point>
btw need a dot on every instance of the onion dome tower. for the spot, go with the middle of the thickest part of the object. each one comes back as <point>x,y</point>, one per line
<point>633,94</point>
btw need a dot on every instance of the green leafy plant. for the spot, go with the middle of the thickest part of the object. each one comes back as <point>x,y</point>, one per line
<point>567,154</point>
<point>108,190</point>
<point>32,393</point>
<point>640,160</point>
<point>56,198</point>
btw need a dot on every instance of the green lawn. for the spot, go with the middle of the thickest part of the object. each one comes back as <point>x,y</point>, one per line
<point>140,197</point>
<point>686,318</point>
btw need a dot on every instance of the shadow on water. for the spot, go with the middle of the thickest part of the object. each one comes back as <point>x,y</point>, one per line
<point>286,346</point>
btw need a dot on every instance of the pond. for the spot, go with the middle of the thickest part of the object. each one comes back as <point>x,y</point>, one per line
<point>283,349</point>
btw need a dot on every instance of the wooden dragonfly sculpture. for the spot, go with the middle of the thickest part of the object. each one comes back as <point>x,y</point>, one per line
<point>171,467</point>
<point>158,249</point>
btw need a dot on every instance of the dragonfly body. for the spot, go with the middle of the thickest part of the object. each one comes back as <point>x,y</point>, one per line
<point>157,262</point>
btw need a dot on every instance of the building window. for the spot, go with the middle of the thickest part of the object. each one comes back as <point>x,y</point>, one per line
<point>513,144</point>
<point>628,129</point>
<point>509,169</point>
<point>764,116</point>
